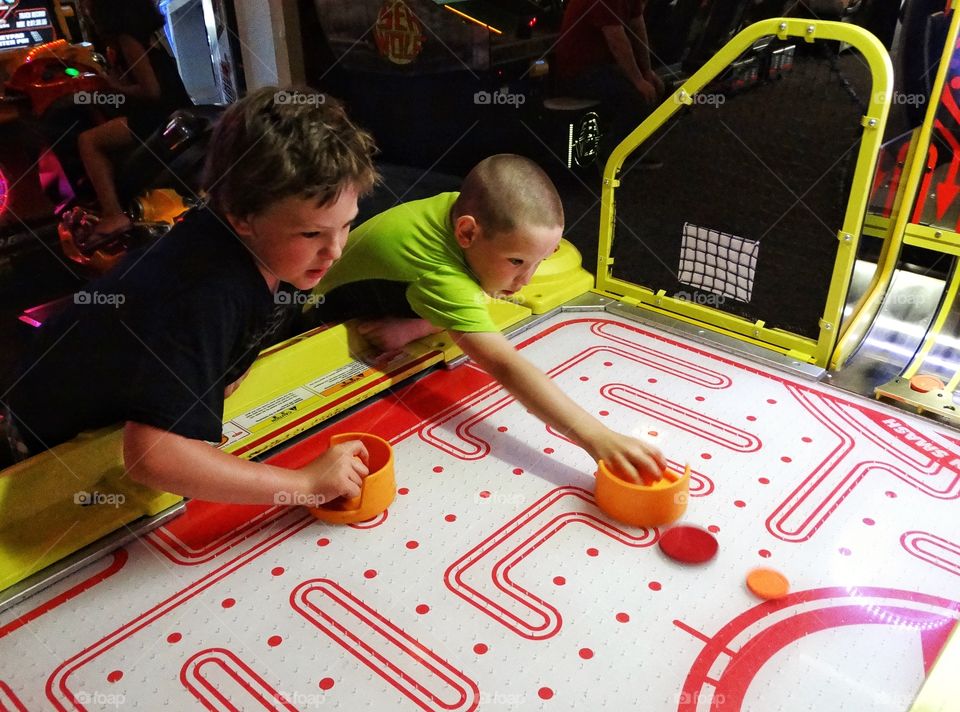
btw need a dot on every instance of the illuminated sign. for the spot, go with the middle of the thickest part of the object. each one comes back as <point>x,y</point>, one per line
<point>4,193</point>
<point>397,33</point>
<point>583,141</point>
<point>25,23</point>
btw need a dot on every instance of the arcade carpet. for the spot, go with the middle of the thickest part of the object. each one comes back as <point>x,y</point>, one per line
<point>493,580</point>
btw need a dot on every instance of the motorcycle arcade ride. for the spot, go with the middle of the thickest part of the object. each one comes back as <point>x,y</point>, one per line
<point>765,282</point>
<point>157,181</point>
<point>24,208</point>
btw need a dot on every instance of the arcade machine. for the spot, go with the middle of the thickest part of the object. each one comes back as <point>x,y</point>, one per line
<point>44,73</point>
<point>465,60</point>
<point>26,210</point>
<point>56,76</point>
<point>494,577</point>
<point>27,23</point>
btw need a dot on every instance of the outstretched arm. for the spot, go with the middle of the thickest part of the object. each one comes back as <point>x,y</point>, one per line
<point>172,463</point>
<point>539,394</point>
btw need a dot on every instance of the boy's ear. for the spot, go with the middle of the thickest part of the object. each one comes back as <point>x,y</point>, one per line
<point>467,230</point>
<point>240,225</point>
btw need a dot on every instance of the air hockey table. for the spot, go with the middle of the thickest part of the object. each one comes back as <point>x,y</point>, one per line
<point>493,579</point>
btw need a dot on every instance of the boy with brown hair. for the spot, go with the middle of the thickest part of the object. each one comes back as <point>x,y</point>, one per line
<point>160,341</point>
<point>432,265</point>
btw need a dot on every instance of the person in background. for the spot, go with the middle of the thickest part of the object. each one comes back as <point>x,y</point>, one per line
<point>603,53</point>
<point>146,88</point>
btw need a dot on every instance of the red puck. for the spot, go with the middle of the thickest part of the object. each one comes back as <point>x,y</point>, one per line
<point>688,545</point>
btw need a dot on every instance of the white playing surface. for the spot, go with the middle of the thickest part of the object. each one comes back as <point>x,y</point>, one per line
<point>494,582</point>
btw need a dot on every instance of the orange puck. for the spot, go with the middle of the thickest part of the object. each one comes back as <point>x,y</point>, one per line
<point>924,383</point>
<point>768,584</point>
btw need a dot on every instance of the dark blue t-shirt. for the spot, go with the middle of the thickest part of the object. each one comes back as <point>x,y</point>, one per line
<point>155,341</point>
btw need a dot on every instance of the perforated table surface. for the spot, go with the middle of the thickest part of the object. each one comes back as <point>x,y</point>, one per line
<point>493,581</point>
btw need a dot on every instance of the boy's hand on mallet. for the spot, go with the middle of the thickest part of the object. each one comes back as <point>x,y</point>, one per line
<point>631,458</point>
<point>338,472</point>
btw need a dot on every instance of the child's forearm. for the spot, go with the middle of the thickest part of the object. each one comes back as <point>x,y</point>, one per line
<point>172,463</point>
<point>545,400</point>
<point>533,388</point>
<point>541,396</point>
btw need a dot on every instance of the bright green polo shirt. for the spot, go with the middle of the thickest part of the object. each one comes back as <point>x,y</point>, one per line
<point>414,243</point>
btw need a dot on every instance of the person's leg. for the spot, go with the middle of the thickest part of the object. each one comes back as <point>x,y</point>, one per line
<point>385,319</point>
<point>58,131</point>
<point>95,147</point>
<point>392,333</point>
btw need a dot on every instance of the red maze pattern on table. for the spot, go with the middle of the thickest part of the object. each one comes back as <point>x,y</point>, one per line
<point>8,700</point>
<point>492,399</point>
<point>901,453</point>
<point>240,535</point>
<point>58,689</point>
<point>405,663</point>
<point>733,656</point>
<point>219,679</point>
<point>493,592</point>
<point>464,399</point>
<point>110,566</point>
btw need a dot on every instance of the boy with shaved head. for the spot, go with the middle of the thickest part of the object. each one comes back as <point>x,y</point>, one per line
<point>432,265</point>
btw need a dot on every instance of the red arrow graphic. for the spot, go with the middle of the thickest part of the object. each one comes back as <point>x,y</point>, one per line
<point>946,98</point>
<point>948,189</point>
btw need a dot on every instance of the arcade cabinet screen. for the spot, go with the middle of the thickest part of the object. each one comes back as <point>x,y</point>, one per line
<point>25,23</point>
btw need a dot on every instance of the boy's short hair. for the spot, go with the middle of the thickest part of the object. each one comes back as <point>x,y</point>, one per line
<point>277,143</point>
<point>507,191</point>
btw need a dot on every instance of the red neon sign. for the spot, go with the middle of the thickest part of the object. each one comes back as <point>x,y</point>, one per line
<point>4,193</point>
